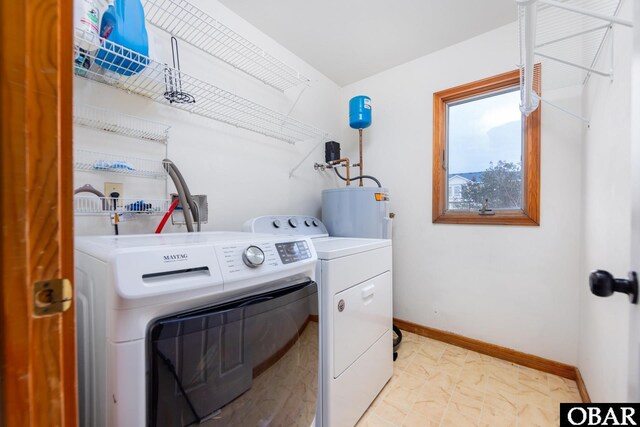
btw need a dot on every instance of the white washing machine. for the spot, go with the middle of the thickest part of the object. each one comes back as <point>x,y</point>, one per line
<point>356,307</point>
<point>219,329</point>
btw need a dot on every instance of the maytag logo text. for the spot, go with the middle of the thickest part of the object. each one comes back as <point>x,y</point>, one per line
<point>175,257</point>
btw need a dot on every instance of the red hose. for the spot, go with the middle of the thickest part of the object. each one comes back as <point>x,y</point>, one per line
<point>167,215</point>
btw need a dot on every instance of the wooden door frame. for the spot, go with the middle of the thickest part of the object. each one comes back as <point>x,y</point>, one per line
<point>38,361</point>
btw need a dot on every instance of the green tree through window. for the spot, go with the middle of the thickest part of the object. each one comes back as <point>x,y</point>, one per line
<point>500,184</point>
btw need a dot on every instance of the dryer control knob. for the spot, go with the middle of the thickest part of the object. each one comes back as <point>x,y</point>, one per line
<point>307,222</point>
<point>293,222</point>
<point>276,223</point>
<point>315,223</point>
<point>253,256</point>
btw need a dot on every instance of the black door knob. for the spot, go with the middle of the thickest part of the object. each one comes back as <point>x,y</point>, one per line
<point>603,284</point>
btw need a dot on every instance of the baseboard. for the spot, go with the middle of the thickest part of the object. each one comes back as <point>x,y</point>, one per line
<point>504,353</point>
<point>582,388</point>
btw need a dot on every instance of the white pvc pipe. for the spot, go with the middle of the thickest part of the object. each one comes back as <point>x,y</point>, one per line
<point>529,8</point>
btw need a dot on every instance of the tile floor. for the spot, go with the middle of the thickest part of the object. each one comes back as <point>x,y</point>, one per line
<point>436,384</point>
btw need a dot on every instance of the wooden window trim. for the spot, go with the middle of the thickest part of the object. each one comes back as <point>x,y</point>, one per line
<point>530,214</point>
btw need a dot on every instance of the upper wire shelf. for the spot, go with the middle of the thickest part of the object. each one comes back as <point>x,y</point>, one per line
<point>570,33</point>
<point>117,66</point>
<point>185,21</point>
<point>120,123</point>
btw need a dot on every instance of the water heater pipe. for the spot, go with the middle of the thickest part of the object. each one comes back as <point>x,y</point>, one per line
<point>360,132</point>
<point>372,178</point>
<point>344,160</point>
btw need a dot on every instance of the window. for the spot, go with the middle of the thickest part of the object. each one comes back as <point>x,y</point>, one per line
<point>486,154</point>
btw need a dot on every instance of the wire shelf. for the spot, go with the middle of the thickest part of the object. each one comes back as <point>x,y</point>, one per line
<point>185,21</point>
<point>119,123</point>
<point>574,37</point>
<point>93,161</point>
<point>568,33</point>
<point>117,66</point>
<point>88,205</point>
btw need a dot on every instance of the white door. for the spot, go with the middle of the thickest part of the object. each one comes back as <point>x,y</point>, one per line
<point>634,326</point>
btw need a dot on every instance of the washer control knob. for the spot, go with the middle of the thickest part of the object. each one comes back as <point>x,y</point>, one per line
<point>307,222</point>
<point>276,223</point>
<point>253,256</point>
<point>293,222</point>
<point>315,223</point>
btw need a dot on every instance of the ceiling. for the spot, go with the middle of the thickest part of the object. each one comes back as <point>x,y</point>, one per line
<point>348,40</point>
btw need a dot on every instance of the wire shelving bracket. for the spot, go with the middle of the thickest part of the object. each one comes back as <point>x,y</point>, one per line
<point>304,159</point>
<point>149,79</point>
<point>571,33</point>
<point>119,123</point>
<point>185,21</point>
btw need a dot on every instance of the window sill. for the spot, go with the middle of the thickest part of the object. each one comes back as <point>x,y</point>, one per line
<point>500,218</point>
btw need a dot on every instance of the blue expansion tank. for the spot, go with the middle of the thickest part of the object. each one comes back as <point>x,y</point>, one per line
<point>360,112</point>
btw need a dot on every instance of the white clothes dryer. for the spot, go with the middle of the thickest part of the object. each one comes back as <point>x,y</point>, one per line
<point>356,300</point>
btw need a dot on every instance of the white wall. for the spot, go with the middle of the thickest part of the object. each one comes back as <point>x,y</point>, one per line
<point>511,286</point>
<point>606,210</point>
<point>244,174</point>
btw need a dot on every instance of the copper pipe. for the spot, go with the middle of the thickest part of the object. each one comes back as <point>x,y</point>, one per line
<point>360,131</point>
<point>344,160</point>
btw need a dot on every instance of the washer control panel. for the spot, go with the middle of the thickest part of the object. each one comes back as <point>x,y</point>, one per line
<point>241,258</point>
<point>293,251</point>
<point>257,258</point>
<point>287,225</point>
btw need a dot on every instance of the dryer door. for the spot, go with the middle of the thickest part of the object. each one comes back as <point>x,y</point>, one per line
<point>362,314</point>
